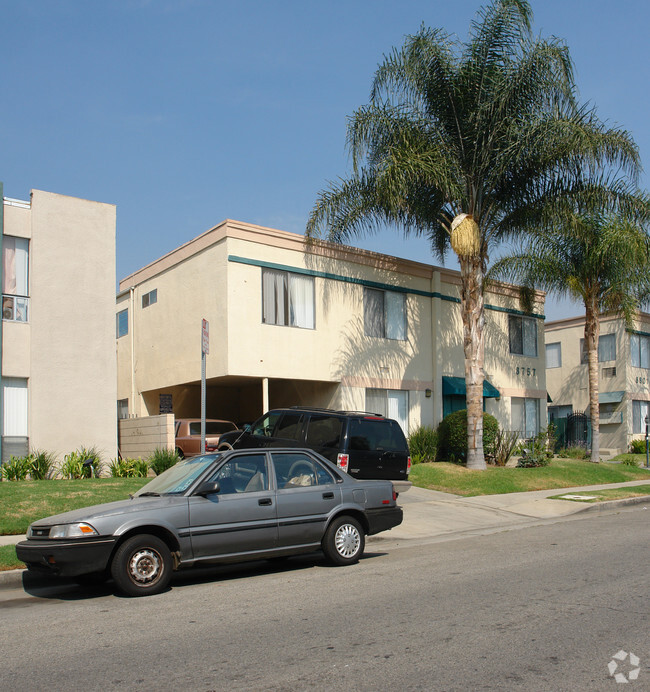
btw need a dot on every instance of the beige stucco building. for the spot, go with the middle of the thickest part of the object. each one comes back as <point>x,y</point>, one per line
<point>294,322</point>
<point>624,376</point>
<point>58,304</point>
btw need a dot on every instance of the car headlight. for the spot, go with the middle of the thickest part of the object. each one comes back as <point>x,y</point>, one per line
<point>79,530</point>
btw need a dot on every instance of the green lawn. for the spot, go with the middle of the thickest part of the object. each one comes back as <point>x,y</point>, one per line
<point>561,473</point>
<point>22,502</point>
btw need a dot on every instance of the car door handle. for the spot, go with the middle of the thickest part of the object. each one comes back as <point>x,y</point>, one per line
<point>265,501</point>
<point>328,496</point>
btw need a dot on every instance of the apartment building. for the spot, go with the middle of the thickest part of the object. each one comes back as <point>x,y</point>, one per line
<point>294,321</point>
<point>623,377</point>
<point>57,341</point>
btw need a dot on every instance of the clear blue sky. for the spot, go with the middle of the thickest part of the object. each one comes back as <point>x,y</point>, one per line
<point>187,112</point>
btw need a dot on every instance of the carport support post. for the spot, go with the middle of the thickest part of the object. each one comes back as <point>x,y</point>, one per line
<point>265,394</point>
<point>205,349</point>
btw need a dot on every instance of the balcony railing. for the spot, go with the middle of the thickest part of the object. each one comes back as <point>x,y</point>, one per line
<point>15,308</point>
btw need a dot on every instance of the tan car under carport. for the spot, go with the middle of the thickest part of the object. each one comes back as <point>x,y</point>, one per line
<point>188,435</point>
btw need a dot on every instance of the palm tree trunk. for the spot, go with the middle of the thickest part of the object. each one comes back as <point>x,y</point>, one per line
<point>472,309</point>
<point>592,332</point>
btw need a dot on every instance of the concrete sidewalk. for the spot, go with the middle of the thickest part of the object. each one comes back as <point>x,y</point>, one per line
<point>430,515</point>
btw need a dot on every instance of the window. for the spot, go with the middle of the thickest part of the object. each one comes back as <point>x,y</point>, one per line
<point>523,335</point>
<point>556,412</point>
<point>525,416</point>
<point>287,299</point>
<point>324,431</point>
<point>390,403</point>
<point>122,325</point>
<point>122,408</point>
<point>384,314</point>
<point>640,351</point>
<point>14,406</point>
<point>295,470</point>
<point>15,278</point>
<point>606,349</point>
<point>554,355</point>
<point>245,473</point>
<point>150,298</point>
<point>640,411</point>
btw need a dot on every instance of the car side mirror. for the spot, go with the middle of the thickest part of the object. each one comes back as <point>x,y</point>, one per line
<point>208,488</point>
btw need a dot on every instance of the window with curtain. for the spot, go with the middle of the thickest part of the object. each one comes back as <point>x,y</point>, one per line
<point>390,403</point>
<point>522,333</point>
<point>640,411</point>
<point>384,314</point>
<point>554,355</point>
<point>640,351</point>
<point>606,349</point>
<point>525,416</point>
<point>15,278</point>
<point>287,299</point>
<point>15,407</point>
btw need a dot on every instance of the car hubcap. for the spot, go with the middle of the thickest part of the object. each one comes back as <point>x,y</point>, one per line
<point>145,566</point>
<point>347,540</point>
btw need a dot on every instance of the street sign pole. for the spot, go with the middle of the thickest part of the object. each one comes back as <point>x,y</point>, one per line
<point>205,349</point>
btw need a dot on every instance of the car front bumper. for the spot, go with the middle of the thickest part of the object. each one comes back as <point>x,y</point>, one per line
<point>66,558</point>
<point>383,519</point>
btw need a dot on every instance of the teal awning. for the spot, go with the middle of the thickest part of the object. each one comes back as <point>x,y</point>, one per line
<point>610,397</point>
<point>455,386</point>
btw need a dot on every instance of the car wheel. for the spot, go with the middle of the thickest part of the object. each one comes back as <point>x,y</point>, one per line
<point>142,565</point>
<point>179,452</point>
<point>344,541</point>
<point>224,446</point>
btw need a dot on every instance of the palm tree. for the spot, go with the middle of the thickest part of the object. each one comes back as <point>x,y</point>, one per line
<point>601,260</point>
<point>457,141</point>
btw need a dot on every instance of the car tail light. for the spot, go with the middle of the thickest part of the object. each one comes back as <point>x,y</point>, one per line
<point>408,466</point>
<point>210,448</point>
<point>394,494</point>
<point>343,461</point>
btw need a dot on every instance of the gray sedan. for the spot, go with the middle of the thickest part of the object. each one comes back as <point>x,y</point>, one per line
<point>225,507</point>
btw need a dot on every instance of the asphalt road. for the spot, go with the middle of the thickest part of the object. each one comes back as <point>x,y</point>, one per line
<point>537,608</point>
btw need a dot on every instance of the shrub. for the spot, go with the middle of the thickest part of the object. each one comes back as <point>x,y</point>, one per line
<point>91,454</point>
<point>637,447</point>
<point>573,453</point>
<point>452,435</point>
<point>538,451</point>
<point>72,467</point>
<point>43,465</point>
<point>16,469</point>
<point>629,461</point>
<point>128,468</point>
<point>423,444</point>
<point>163,459</point>
<point>505,442</point>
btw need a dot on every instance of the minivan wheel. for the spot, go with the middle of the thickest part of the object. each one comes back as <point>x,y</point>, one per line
<point>142,566</point>
<point>344,541</point>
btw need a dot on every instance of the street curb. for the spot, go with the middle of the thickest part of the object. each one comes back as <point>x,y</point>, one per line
<point>11,578</point>
<point>611,504</point>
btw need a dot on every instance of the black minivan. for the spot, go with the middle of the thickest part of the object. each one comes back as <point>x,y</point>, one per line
<point>365,445</point>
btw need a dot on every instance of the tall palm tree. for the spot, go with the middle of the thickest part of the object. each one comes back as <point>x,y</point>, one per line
<point>601,260</point>
<point>457,140</point>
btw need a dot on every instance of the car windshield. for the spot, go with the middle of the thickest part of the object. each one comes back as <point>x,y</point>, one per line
<point>179,477</point>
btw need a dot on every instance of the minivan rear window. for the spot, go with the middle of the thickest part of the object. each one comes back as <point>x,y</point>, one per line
<point>379,435</point>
